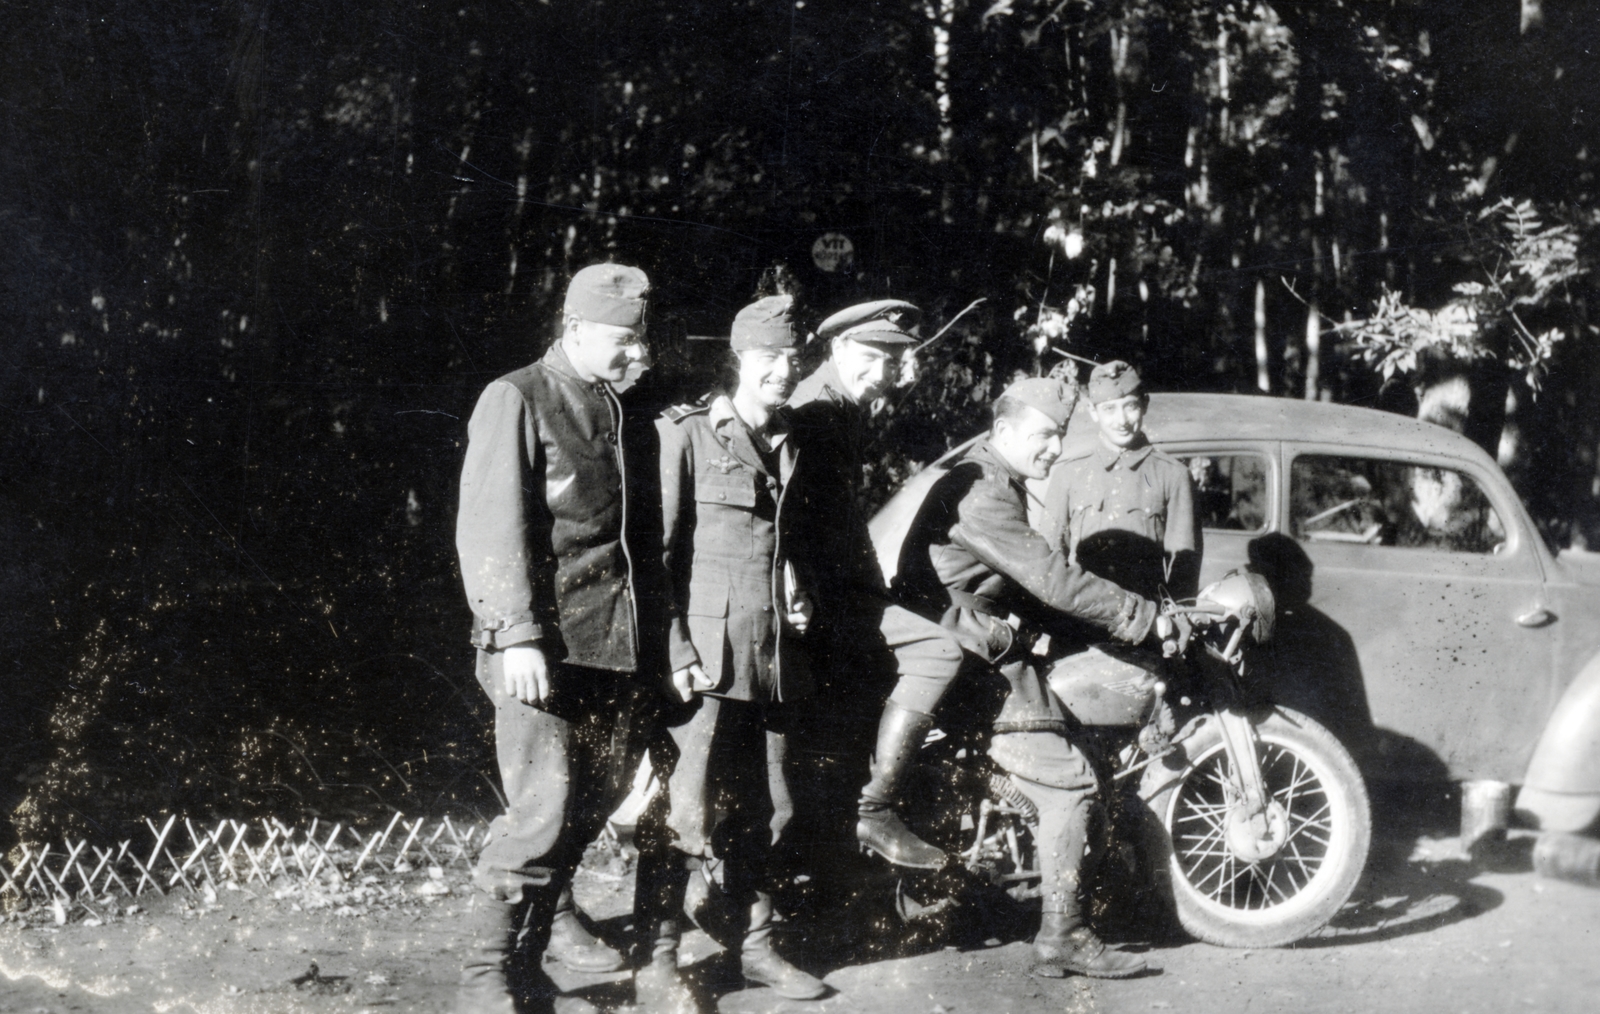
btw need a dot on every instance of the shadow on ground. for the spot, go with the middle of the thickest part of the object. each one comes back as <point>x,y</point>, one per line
<point>1418,878</point>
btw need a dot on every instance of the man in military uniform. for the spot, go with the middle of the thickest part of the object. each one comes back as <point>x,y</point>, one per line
<point>737,610</point>
<point>971,560</point>
<point>542,535</point>
<point>1120,508</point>
<point>857,624</point>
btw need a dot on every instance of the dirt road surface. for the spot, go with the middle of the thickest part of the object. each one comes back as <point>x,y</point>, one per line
<point>1426,932</point>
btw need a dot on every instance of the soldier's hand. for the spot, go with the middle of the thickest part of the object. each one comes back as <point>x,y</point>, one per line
<point>800,612</point>
<point>527,674</point>
<point>1174,631</point>
<point>689,680</point>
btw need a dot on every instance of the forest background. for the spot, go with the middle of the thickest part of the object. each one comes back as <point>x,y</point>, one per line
<point>258,259</point>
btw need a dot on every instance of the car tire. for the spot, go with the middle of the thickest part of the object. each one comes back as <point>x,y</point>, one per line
<point>1224,900</point>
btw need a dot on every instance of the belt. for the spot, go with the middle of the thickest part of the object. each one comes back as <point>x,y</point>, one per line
<point>976,603</point>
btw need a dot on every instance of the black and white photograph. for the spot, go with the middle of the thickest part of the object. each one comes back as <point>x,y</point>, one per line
<point>799,507</point>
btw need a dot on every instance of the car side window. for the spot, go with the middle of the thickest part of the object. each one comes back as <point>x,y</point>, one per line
<point>1230,490</point>
<point>1390,503</point>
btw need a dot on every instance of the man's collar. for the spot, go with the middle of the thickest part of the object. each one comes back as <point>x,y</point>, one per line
<point>722,413</point>
<point>984,453</point>
<point>1108,454</point>
<point>833,382</point>
<point>556,358</point>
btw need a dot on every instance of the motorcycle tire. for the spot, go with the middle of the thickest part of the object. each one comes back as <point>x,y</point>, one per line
<point>1220,897</point>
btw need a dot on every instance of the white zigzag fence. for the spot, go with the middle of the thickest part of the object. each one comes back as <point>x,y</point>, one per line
<point>182,856</point>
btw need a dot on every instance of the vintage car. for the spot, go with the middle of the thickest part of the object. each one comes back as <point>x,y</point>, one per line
<point>1422,618</point>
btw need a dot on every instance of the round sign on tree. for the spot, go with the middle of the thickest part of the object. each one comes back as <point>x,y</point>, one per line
<point>833,251</point>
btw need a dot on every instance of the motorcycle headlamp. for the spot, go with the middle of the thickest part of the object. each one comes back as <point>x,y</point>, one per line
<point>1245,596</point>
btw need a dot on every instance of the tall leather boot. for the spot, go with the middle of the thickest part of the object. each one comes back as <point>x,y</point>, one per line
<point>762,963</point>
<point>658,986</point>
<point>1064,944</point>
<point>493,979</point>
<point>878,827</point>
<point>573,945</point>
<point>483,990</point>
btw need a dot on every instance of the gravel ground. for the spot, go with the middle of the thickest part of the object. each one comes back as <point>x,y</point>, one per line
<point>1426,932</point>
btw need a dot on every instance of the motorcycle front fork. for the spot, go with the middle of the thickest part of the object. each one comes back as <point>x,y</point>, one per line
<point>1256,826</point>
<point>1244,763</point>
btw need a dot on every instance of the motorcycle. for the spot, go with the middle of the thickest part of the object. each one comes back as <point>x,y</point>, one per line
<point>1252,817</point>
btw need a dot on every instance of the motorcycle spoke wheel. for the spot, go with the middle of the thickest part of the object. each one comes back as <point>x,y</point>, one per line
<point>1318,804</point>
<point>1199,833</point>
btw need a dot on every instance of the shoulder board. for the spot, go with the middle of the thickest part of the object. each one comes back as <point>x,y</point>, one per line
<point>678,413</point>
<point>1078,455</point>
<point>1160,455</point>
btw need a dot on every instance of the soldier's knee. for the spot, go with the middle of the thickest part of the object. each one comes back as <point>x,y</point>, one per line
<point>933,657</point>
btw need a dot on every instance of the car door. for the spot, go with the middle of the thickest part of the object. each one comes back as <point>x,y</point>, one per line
<point>1432,573</point>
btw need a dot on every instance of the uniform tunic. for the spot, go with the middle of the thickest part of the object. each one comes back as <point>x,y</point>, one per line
<point>832,429</point>
<point>856,622</point>
<point>1126,514</point>
<point>725,531</point>
<point>541,534</point>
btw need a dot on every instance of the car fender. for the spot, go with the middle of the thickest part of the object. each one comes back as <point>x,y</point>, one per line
<point>1561,791</point>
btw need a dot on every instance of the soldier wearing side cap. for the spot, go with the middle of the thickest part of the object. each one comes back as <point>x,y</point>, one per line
<point>1120,508</point>
<point>555,590</point>
<point>738,607</point>
<point>858,628</point>
<point>971,562</point>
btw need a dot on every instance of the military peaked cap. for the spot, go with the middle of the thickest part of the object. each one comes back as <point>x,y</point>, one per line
<point>885,321</point>
<point>609,294</point>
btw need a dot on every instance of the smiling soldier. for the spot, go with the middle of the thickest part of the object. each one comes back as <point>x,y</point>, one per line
<point>737,611</point>
<point>542,535</point>
<point>857,625</point>
<point>971,560</point>
<point>1120,508</point>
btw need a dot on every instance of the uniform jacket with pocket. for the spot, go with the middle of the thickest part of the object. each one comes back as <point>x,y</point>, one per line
<point>543,518</point>
<point>1126,514</point>
<point>726,536</point>
<point>831,430</point>
<point>973,563</point>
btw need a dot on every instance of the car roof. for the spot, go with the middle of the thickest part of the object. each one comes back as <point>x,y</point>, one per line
<point>1181,418</point>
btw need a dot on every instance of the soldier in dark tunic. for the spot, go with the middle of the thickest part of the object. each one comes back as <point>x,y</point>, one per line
<point>971,561</point>
<point>738,607</point>
<point>860,631</point>
<point>542,535</point>
<point>1120,508</point>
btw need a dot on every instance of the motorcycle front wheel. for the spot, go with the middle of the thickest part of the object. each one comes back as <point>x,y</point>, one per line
<point>1323,821</point>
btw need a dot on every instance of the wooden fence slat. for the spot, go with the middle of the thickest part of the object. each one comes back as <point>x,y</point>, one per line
<point>82,873</point>
<point>147,868</point>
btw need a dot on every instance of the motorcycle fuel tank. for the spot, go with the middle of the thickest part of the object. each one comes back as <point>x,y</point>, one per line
<point>1107,684</point>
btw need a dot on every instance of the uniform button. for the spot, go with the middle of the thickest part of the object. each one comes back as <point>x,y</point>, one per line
<point>766,608</point>
<point>722,496</point>
<point>611,438</point>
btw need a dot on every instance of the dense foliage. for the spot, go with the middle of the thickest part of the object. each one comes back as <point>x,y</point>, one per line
<point>259,257</point>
